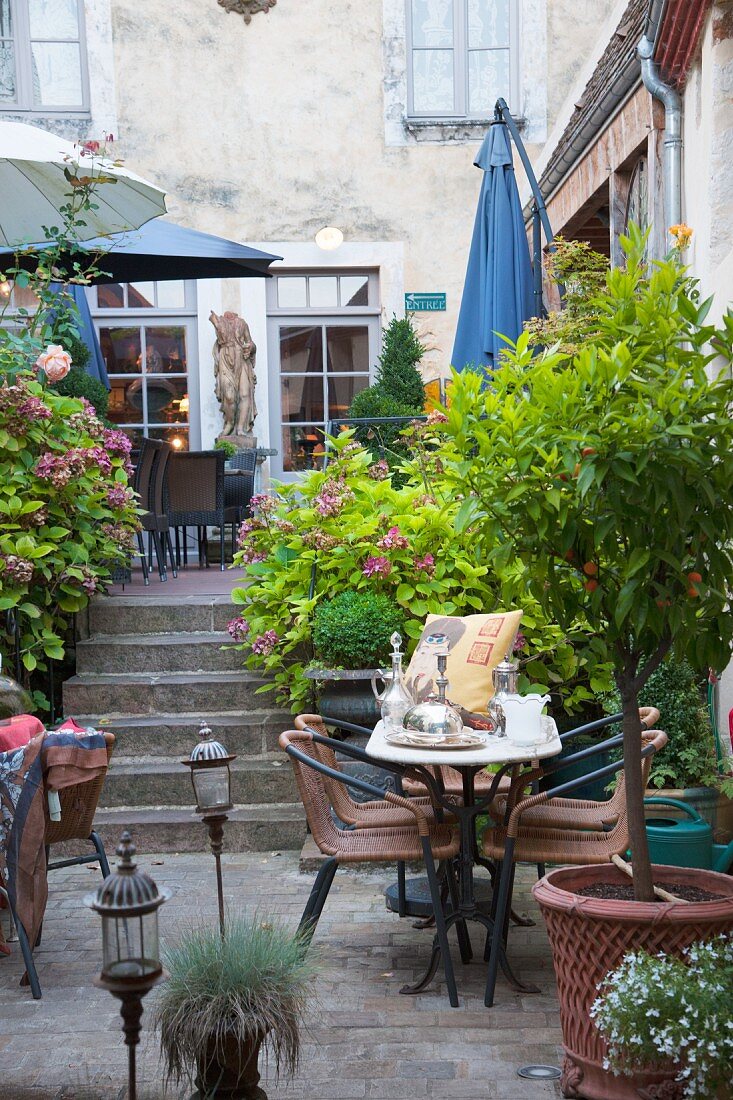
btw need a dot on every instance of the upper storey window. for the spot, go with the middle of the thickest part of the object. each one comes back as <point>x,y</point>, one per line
<point>460,57</point>
<point>42,57</point>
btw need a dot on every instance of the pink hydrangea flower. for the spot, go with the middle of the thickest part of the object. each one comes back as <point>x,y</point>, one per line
<point>265,643</point>
<point>116,442</point>
<point>252,557</point>
<point>393,540</point>
<point>333,496</point>
<point>263,502</point>
<point>377,567</point>
<point>54,468</point>
<point>118,496</point>
<point>379,471</point>
<point>100,456</point>
<point>17,569</point>
<point>425,564</point>
<point>238,628</point>
<point>34,409</point>
<point>435,416</point>
<point>520,643</point>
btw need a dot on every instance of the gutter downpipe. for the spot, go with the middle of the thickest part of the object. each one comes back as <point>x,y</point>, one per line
<point>667,95</point>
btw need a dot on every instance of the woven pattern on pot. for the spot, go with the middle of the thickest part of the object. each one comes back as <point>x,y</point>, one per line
<point>594,946</point>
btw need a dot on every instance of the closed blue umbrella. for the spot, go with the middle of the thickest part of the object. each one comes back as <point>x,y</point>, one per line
<point>498,291</point>
<point>87,332</point>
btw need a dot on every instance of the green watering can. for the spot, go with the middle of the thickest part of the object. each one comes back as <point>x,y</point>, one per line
<point>687,843</point>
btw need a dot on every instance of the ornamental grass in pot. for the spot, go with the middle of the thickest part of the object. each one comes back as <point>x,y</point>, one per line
<point>606,472</point>
<point>227,996</point>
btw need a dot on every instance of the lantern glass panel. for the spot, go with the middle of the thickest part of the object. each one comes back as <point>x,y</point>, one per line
<point>212,787</point>
<point>130,946</point>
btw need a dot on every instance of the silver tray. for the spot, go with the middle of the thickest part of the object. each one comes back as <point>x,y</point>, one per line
<point>468,739</point>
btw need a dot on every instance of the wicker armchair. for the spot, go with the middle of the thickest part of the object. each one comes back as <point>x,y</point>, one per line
<point>78,807</point>
<point>195,498</point>
<point>238,489</point>
<point>424,839</point>
<point>517,842</point>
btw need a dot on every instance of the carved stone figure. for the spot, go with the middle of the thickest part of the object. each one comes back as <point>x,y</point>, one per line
<point>247,8</point>
<point>234,371</point>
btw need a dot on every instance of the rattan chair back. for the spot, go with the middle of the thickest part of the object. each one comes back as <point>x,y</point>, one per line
<point>195,495</point>
<point>144,471</point>
<point>78,806</point>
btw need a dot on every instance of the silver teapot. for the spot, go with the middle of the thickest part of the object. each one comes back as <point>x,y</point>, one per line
<point>504,678</point>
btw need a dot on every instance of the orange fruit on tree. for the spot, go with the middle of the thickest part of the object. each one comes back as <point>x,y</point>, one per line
<point>588,451</point>
<point>694,578</point>
<point>692,592</point>
<point>590,569</point>
<point>591,585</point>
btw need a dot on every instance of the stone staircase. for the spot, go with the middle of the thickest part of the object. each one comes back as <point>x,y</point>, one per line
<point>150,668</point>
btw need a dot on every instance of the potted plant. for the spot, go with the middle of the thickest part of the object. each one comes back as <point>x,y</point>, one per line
<point>651,1007</point>
<point>228,995</point>
<point>607,473</point>
<point>351,633</point>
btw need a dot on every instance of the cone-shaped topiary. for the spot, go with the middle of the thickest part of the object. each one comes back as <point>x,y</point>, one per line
<point>398,376</point>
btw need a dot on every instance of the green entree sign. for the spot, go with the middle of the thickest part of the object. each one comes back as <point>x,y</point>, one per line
<point>425,303</point>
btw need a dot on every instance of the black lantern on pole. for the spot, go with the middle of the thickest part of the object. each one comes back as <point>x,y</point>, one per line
<point>212,786</point>
<point>128,902</point>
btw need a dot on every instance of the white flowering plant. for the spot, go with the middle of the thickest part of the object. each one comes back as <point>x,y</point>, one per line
<point>657,1009</point>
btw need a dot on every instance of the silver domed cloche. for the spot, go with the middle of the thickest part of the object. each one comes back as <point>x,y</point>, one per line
<point>435,718</point>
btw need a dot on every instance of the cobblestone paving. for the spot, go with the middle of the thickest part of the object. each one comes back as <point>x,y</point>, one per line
<point>363,1040</point>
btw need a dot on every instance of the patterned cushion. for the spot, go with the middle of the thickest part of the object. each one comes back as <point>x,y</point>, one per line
<point>477,644</point>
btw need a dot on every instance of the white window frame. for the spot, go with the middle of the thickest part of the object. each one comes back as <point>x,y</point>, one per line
<point>186,317</point>
<point>460,53</point>
<point>369,315</point>
<point>22,42</point>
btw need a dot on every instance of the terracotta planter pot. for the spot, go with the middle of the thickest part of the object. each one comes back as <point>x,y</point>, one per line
<point>590,936</point>
<point>229,1071</point>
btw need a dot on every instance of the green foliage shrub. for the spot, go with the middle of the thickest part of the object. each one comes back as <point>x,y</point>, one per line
<point>80,384</point>
<point>229,449</point>
<point>353,629</point>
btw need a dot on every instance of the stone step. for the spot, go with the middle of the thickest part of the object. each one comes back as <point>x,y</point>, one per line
<point>114,695</point>
<point>174,829</point>
<point>158,614</point>
<point>147,781</point>
<point>174,735</point>
<point>195,652</point>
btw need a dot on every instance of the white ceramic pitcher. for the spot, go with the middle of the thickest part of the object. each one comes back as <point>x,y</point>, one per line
<point>523,717</point>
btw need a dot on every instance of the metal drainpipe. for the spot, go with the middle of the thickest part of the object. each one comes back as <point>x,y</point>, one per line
<point>672,129</point>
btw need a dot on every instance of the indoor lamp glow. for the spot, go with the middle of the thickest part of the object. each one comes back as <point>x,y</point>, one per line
<point>329,238</point>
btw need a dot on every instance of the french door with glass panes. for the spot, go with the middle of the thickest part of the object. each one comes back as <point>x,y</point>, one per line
<point>147,332</point>
<point>324,338</point>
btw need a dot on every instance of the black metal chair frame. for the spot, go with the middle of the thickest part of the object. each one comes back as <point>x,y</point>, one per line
<point>243,485</point>
<point>324,878</point>
<point>31,974</point>
<point>501,900</point>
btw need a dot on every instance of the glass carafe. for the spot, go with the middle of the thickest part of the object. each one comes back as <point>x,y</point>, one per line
<point>396,699</point>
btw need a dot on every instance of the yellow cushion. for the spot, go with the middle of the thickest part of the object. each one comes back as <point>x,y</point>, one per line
<point>477,644</point>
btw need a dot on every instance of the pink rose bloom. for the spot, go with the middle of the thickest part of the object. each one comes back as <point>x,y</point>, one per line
<point>54,362</point>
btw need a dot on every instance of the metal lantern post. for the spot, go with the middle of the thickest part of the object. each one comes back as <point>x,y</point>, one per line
<point>128,901</point>
<point>212,787</point>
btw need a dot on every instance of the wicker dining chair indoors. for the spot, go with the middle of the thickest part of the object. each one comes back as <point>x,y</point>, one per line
<point>141,485</point>
<point>195,498</point>
<point>517,842</point>
<point>424,839</point>
<point>239,488</point>
<point>78,807</point>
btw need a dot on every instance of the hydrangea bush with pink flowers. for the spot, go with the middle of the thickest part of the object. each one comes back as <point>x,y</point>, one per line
<point>366,530</point>
<point>67,516</point>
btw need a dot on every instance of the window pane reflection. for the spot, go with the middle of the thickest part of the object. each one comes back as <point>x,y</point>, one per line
<point>56,74</point>
<point>432,23</point>
<point>488,78</point>
<point>53,18</point>
<point>165,349</point>
<point>354,290</point>
<point>291,292</point>
<point>171,295</point>
<point>302,397</point>
<point>141,295</point>
<point>7,72</point>
<point>433,81</point>
<point>301,349</point>
<point>302,447</point>
<point>177,437</point>
<point>111,296</point>
<point>347,348</point>
<point>323,291</point>
<point>341,392</point>
<point>488,23</point>
<point>122,350</point>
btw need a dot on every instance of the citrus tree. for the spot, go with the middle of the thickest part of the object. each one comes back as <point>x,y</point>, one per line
<point>608,473</point>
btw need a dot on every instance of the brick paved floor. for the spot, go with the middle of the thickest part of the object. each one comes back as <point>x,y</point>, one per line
<point>363,1039</point>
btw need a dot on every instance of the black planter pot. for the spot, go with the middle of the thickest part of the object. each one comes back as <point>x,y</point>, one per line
<point>346,695</point>
<point>229,1071</point>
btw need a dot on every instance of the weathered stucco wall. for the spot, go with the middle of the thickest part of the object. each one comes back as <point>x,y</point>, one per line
<point>270,130</point>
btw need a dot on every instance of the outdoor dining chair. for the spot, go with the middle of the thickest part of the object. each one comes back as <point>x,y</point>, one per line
<point>513,841</point>
<point>151,492</point>
<point>239,488</point>
<point>195,498</point>
<point>425,839</point>
<point>78,805</point>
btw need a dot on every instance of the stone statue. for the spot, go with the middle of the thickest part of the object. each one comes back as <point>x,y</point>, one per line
<point>248,8</point>
<point>234,371</point>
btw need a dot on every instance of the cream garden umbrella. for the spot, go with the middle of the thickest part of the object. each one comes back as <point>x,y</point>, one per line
<point>33,187</point>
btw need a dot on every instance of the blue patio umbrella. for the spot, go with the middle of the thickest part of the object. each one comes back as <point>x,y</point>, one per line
<point>96,365</point>
<point>498,291</point>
